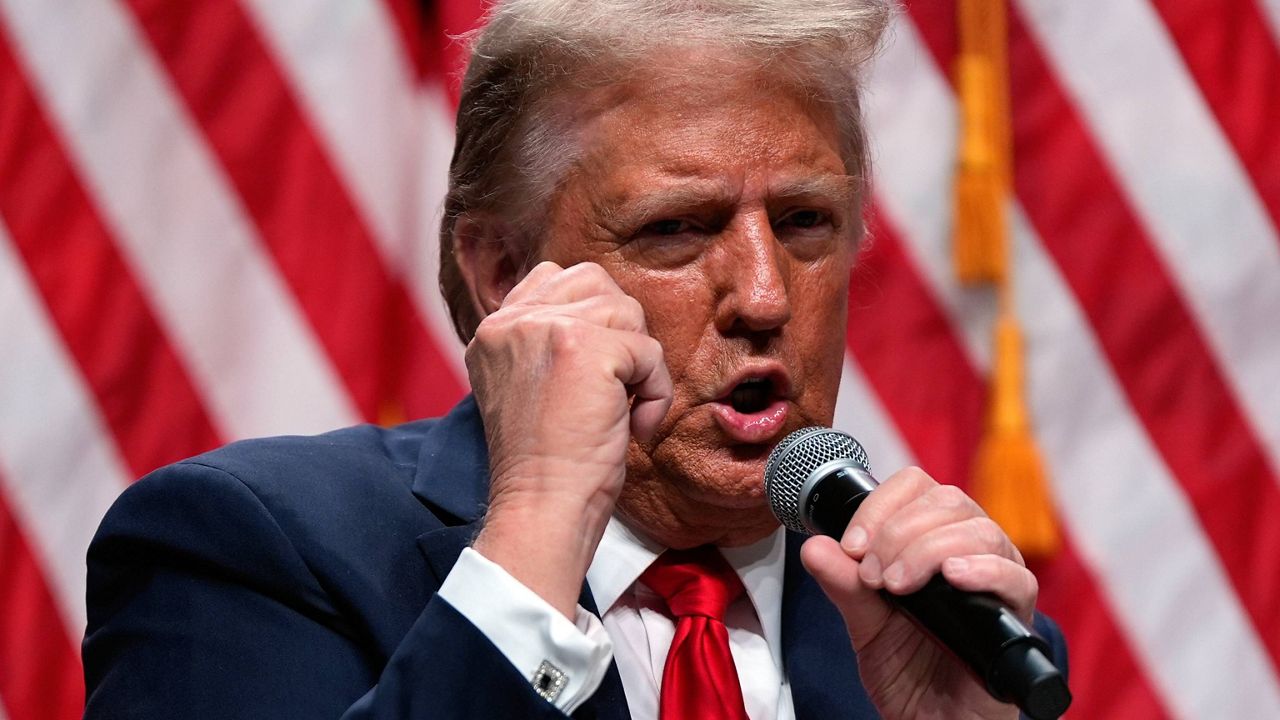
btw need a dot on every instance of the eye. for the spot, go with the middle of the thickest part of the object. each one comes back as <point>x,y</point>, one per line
<point>809,233</point>
<point>667,227</point>
<point>670,242</point>
<point>806,219</point>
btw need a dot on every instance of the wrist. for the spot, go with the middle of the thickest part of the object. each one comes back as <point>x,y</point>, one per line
<point>545,544</point>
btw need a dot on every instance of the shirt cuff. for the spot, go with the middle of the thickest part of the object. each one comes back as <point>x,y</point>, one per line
<point>536,638</point>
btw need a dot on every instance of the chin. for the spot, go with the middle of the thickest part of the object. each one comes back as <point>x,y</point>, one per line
<point>713,474</point>
<point>693,478</point>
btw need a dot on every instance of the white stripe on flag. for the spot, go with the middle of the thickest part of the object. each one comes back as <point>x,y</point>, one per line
<point>1200,612</point>
<point>1271,11</point>
<point>353,76</point>
<point>60,467</point>
<point>860,413</point>
<point>1202,212</point>
<point>214,289</point>
<point>1130,520</point>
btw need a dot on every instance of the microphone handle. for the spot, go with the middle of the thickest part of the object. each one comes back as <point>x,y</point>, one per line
<point>1010,659</point>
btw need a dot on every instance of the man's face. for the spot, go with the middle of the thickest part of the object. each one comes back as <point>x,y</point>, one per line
<point>720,202</point>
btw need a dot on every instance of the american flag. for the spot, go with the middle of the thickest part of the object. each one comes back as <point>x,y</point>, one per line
<point>218,218</point>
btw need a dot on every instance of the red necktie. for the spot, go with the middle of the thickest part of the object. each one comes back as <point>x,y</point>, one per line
<point>700,681</point>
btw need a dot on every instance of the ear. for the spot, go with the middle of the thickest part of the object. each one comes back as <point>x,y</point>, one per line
<point>490,257</point>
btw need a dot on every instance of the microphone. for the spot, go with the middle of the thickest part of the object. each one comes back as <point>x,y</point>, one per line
<point>815,480</point>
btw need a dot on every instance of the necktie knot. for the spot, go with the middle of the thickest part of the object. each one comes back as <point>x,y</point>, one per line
<point>700,679</point>
<point>694,582</point>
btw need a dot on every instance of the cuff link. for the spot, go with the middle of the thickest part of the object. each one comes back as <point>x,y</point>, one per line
<point>549,680</point>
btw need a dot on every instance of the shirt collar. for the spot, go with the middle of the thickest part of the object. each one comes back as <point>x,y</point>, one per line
<point>623,554</point>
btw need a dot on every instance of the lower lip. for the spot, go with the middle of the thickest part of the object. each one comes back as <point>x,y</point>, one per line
<point>756,427</point>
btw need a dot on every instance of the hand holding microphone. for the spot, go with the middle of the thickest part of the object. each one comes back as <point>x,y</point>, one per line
<point>818,481</point>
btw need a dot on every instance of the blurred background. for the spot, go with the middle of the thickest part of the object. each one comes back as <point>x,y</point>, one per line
<point>218,218</point>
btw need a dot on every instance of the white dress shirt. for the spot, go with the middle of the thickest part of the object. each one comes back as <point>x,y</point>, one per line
<point>636,631</point>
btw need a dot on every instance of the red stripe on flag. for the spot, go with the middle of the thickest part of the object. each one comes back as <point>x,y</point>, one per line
<point>899,334</point>
<point>135,376</point>
<point>362,315</point>
<point>1145,329</point>
<point>935,20</point>
<point>40,675</point>
<point>1233,58</point>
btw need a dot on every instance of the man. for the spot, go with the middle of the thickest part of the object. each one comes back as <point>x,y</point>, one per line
<point>653,213</point>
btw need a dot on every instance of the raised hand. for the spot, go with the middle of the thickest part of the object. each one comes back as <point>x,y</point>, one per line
<point>564,373</point>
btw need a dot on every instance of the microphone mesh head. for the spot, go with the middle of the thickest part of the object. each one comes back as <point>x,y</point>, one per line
<point>795,458</point>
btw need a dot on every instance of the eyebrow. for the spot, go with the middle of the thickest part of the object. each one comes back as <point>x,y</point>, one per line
<point>842,189</point>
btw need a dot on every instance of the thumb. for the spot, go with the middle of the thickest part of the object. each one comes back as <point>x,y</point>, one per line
<point>865,612</point>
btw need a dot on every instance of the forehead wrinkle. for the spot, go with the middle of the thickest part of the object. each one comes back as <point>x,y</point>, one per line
<point>650,202</point>
<point>840,189</point>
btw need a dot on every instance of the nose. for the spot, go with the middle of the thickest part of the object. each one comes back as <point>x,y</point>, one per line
<point>755,280</point>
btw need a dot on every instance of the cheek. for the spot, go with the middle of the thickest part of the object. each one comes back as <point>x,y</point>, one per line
<point>678,311</point>
<point>821,310</point>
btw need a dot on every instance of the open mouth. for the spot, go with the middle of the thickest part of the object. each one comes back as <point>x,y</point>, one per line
<point>755,410</point>
<point>752,395</point>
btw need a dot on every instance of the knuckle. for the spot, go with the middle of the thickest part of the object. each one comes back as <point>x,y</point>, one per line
<point>564,334</point>
<point>891,536</point>
<point>916,478</point>
<point>989,534</point>
<point>543,270</point>
<point>1032,584</point>
<point>633,309</point>
<point>651,346</point>
<point>949,497</point>
<point>487,333</point>
<point>590,272</point>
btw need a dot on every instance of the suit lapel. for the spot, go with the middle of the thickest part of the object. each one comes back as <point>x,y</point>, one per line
<point>453,466</point>
<point>820,662</point>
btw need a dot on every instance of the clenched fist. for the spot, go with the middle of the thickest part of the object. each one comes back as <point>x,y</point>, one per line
<point>564,373</point>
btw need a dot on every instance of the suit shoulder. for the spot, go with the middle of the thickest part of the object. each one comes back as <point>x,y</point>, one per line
<point>300,491</point>
<point>362,454</point>
<point>325,492</point>
<point>283,514</point>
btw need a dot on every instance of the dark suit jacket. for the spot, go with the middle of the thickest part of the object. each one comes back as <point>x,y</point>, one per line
<point>296,578</point>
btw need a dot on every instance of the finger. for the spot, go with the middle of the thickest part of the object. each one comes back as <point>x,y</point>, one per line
<point>862,608</point>
<point>642,368</point>
<point>1008,580</point>
<point>918,561</point>
<point>619,312</point>
<point>936,507</point>
<point>576,282</point>
<point>900,489</point>
<point>532,282</point>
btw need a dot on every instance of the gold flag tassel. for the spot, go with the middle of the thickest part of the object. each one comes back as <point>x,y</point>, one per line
<point>1009,478</point>
<point>982,174</point>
